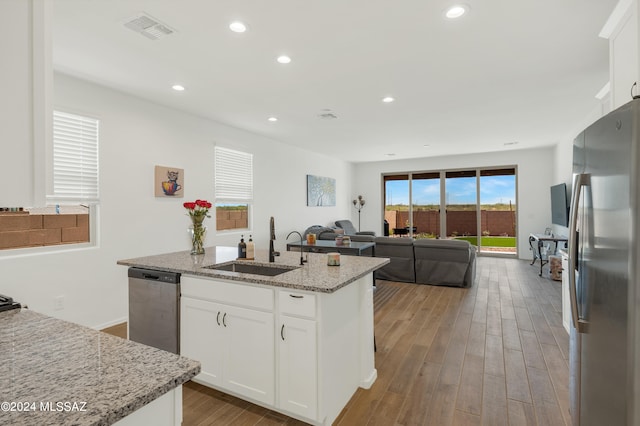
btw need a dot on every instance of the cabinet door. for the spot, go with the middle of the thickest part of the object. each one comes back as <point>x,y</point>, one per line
<point>249,366</point>
<point>201,338</point>
<point>298,378</point>
<point>623,48</point>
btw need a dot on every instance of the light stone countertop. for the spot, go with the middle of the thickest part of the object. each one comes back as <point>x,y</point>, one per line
<point>315,275</point>
<point>47,360</point>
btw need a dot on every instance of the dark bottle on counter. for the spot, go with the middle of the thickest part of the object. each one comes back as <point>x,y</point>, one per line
<point>242,248</point>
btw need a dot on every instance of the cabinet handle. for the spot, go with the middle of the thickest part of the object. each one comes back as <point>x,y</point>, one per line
<point>296,296</point>
<point>218,318</point>
<point>223,319</point>
<point>282,332</point>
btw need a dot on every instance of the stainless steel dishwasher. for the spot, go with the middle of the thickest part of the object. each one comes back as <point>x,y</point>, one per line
<point>154,308</point>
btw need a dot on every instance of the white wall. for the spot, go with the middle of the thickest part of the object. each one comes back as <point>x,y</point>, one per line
<point>136,135</point>
<point>563,155</point>
<point>535,176</point>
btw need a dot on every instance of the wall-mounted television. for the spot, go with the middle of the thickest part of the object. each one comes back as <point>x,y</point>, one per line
<point>559,205</point>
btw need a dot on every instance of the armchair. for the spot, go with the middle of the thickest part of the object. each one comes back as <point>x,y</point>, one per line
<point>349,229</point>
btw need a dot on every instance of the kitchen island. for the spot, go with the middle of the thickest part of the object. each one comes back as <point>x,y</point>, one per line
<point>299,342</point>
<point>54,372</point>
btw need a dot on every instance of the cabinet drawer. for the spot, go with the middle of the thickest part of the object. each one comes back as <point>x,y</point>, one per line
<point>229,292</point>
<point>297,303</point>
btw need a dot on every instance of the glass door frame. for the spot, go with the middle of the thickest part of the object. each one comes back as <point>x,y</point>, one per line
<point>443,212</point>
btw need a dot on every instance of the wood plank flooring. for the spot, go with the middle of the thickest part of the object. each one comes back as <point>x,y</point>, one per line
<point>495,354</point>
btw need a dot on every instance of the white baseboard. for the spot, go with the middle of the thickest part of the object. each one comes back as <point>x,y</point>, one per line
<point>368,382</point>
<point>110,323</point>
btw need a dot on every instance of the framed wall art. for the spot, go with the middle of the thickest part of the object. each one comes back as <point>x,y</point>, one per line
<point>168,182</point>
<point>321,191</point>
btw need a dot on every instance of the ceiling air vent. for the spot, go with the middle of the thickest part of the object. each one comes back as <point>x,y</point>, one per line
<point>327,114</point>
<point>148,26</point>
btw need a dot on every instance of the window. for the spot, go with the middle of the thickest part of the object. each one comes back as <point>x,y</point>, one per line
<point>233,189</point>
<point>72,191</point>
<point>75,158</point>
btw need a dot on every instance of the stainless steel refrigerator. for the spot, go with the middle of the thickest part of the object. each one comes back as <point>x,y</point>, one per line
<point>604,275</point>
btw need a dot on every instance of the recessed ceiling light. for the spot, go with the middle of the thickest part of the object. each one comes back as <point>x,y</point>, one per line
<point>388,100</point>
<point>272,119</point>
<point>456,11</point>
<point>237,27</point>
<point>178,87</point>
<point>284,59</point>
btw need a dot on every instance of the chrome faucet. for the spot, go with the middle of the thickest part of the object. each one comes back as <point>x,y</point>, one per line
<point>302,261</point>
<point>272,237</point>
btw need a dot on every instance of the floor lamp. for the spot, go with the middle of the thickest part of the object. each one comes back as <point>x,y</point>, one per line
<point>358,203</point>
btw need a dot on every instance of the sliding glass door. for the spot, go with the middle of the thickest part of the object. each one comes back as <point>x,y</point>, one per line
<point>396,205</point>
<point>498,207</point>
<point>425,205</point>
<point>476,205</point>
<point>461,199</point>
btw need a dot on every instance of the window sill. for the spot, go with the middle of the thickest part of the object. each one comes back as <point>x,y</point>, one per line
<point>43,250</point>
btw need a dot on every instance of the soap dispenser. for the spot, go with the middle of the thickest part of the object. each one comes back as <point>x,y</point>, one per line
<point>251,249</point>
<point>242,248</point>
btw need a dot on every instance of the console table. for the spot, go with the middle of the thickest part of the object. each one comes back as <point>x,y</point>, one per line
<point>328,246</point>
<point>540,239</point>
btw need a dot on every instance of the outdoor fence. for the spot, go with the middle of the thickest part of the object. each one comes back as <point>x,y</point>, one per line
<point>493,222</point>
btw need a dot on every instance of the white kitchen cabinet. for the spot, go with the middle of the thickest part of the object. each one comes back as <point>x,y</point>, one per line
<point>566,303</point>
<point>297,353</point>
<point>234,344</point>
<point>297,360</point>
<point>201,337</point>
<point>249,353</point>
<point>621,29</point>
<point>310,349</point>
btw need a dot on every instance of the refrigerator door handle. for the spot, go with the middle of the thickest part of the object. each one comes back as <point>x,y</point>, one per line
<point>579,181</point>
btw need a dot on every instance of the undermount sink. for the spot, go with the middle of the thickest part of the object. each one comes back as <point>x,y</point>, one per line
<point>250,268</point>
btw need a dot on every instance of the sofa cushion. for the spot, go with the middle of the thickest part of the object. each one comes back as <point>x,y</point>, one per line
<point>322,232</point>
<point>447,250</point>
<point>362,238</point>
<point>444,262</point>
<point>400,253</point>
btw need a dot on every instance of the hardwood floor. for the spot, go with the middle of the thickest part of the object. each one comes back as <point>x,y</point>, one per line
<point>119,330</point>
<point>495,354</point>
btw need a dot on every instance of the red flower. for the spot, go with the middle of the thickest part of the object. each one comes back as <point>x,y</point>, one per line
<point>198,208</point>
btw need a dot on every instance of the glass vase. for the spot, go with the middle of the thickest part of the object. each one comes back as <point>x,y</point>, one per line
<point>198,233</point>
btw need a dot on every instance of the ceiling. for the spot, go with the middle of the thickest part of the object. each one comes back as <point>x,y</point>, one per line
<point>506,75</point>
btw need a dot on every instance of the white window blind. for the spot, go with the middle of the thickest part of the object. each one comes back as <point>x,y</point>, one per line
<point>75,157</point>
<point>234,175</point>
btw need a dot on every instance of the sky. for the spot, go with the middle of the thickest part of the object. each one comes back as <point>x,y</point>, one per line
<point>493,190</point>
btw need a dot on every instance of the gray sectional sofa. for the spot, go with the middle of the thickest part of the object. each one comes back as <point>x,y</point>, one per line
<point>427,261</point>
<point>422,261</point>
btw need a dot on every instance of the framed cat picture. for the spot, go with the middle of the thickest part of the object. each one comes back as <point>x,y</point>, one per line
<point>168,182</point>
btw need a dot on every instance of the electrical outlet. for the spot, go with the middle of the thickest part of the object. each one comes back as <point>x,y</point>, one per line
<point>58,303</point>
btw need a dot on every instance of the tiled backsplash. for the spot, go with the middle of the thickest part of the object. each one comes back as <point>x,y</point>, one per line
<point>24,229</point>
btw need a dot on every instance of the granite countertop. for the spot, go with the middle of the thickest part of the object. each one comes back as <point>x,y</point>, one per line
<point>315,275</point>
<point>97,378</point>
